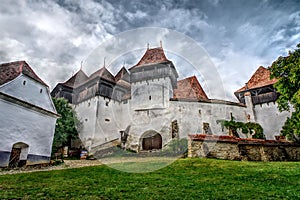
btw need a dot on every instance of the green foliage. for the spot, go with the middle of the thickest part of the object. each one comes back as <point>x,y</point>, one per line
<point>65,128</point>
<point>253,129</point>
<point>287,71</point>
<point>183,179</point>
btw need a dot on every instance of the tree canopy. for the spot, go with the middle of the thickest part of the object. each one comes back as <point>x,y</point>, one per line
<point>287,71</point>
<point>66,125</point>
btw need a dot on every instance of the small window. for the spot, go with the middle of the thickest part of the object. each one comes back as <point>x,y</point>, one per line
<point>41,90</point>
<point>24,82</point>
<point>149,97</point>
<point>89,104</point>
<point>106,103</point>
<point>86,120</point>
<point>107,120</point>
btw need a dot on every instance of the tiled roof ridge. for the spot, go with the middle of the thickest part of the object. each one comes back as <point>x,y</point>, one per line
<point>152,56</point>
<point>186,90</point>
<point>260,78</point>
<point>23,68</point>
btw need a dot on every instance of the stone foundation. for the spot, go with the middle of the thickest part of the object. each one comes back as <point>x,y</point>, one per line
<point>231,148</point>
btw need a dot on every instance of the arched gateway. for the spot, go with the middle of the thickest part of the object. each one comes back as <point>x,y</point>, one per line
<point>151,140</point>
<point>18,155</point>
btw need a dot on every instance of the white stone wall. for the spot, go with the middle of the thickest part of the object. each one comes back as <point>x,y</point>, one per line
<point>192,115</point>
<point>30,91</point>
<point>269,117</point>
<point>103,119</point>
<point>151,94</point>
<point>19,124</point>
<point>86,112</point>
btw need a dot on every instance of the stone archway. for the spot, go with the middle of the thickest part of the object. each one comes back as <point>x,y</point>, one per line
<point>151,140</point>
<point>18,155</point>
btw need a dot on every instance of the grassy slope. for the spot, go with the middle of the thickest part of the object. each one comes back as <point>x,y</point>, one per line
<point>184,179</point>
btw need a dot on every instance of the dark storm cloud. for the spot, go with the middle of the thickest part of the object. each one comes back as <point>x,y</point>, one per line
<point>55,36</point>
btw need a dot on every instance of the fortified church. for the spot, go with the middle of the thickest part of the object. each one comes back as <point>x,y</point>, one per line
<point>146,106</point>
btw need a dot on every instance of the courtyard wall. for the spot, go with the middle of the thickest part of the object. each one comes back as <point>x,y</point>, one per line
<point>231,148</point>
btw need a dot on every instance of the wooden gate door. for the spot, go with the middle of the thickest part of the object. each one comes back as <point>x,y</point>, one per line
<point>156,142</point>
<point>147,143</point>
<point>152,142</point>
<point>14,157</point>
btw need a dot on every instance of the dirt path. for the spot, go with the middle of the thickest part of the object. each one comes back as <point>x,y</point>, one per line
<point>69,164</point>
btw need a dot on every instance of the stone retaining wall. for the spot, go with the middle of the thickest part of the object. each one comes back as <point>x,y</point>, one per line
<point>231,148</point>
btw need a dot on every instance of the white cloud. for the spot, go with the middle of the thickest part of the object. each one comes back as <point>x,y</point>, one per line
<point>55,36</point>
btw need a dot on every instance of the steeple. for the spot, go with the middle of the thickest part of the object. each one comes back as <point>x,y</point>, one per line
<point>152,56</point>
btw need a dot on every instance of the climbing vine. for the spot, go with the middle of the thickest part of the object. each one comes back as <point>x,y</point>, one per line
<point>251,129</point>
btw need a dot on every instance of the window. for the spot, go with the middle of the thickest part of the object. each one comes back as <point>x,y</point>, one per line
<point>24,82</point>
<point>41,90</point>
<point>150,97</point>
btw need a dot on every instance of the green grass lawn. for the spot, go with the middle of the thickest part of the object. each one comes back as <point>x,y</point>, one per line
<point>183,179</point>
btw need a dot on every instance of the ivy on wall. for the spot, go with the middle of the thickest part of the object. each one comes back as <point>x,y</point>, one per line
<point>250,129</point>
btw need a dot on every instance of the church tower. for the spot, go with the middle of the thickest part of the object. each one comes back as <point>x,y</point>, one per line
<point>153,80</point>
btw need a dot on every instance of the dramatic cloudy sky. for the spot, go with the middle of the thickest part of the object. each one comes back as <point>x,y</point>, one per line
<point>55,36</point>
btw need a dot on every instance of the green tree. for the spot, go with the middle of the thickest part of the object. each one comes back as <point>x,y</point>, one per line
<point>287,71</point>
<point>66,125</point>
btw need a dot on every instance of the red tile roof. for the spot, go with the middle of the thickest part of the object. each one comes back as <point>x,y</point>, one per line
<point>9,71</point>
<point>76,79</point>
<point>259,79</point>
<point>189,89</point>
<point>152,56</point>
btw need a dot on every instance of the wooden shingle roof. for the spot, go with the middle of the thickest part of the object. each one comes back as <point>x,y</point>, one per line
<point>103,73</point>
<point>76,79</point>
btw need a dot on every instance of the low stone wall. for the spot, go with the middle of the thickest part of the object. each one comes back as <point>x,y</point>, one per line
<point>231,148</point>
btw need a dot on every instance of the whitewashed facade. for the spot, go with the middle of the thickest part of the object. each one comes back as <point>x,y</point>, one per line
<point>27,117</point>
<point>155,102</point>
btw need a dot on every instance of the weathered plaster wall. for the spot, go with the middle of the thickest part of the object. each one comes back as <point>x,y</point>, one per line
<point>151,94</point>
<point>150,109</point>
<point>269,117</point>
<point>102,119</point>
<point>19,124</point>
<point>192,115</point>
<point>30,91</point>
